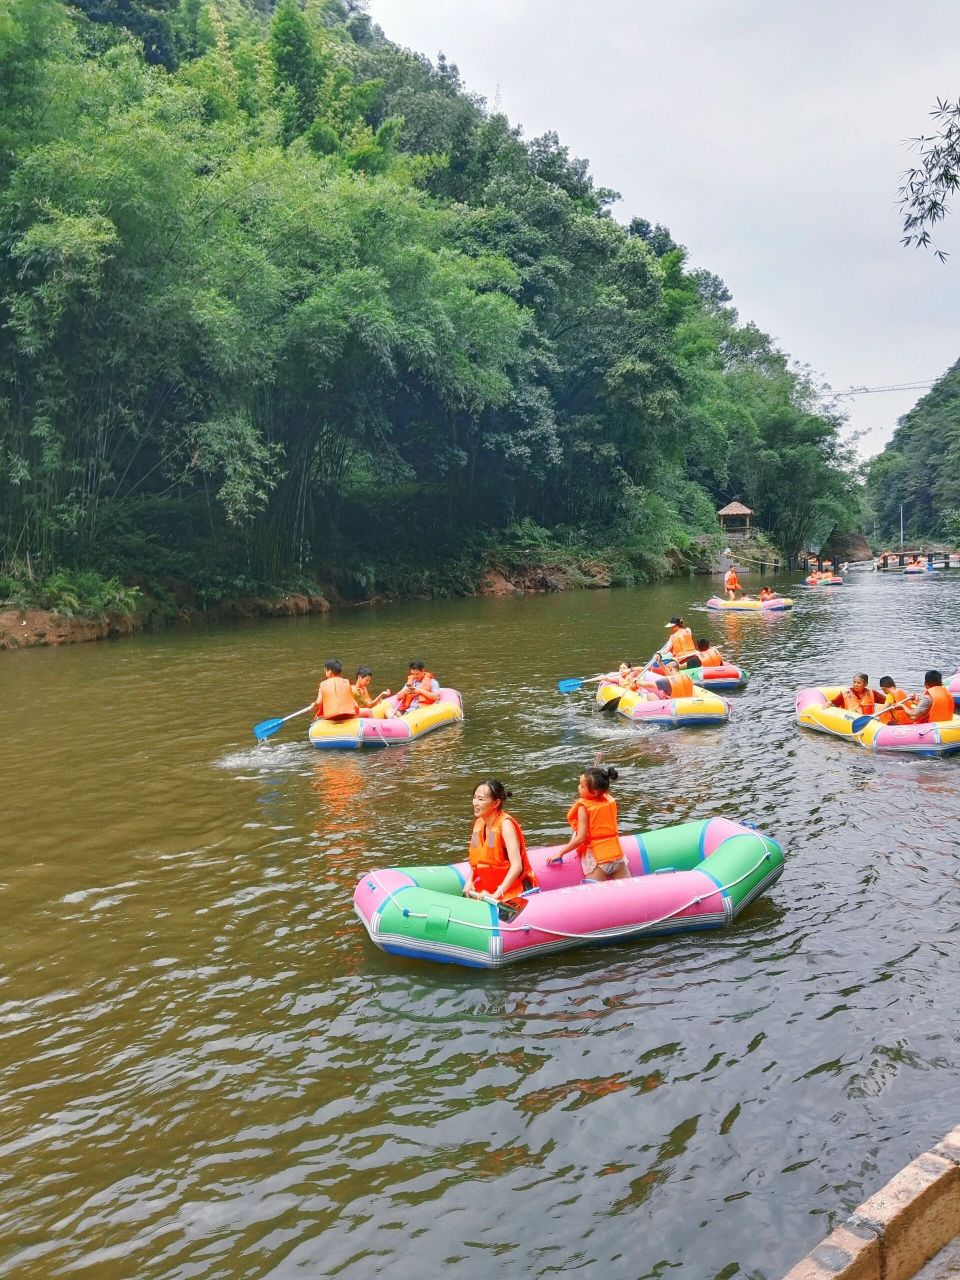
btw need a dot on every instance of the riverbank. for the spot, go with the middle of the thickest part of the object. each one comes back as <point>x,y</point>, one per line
<point>178,604</point>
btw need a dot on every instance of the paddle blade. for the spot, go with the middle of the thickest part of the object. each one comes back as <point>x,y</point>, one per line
<point>860,722</point>
<point>267,728</point>
<point>569,686</point>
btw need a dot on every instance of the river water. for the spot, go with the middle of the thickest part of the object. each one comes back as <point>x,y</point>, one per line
<point>206,1070</point>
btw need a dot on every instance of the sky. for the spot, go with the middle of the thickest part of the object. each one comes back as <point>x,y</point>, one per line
<point>768,135</point>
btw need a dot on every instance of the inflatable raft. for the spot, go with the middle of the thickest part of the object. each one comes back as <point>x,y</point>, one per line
<point>387,730</point>
<point>777,605</point>
<point>815,712</point>
<point>698,875</point>
<point>953,684</point>
<point>825,580</point>
<point>727,676</point>
<point>645,707</point>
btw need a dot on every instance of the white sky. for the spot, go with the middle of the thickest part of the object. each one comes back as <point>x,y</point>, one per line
<point>766,134</point>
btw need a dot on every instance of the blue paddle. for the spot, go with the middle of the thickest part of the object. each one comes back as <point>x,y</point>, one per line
<point>267,728</point>
<point>861,722</point>
<point>575,682</point>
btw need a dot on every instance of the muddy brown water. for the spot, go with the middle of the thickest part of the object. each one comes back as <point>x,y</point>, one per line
<point>206,1070</point>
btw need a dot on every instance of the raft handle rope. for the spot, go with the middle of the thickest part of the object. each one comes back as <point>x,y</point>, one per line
<point>560,933</point>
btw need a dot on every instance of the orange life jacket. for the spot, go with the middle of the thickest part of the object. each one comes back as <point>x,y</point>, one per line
<point>681,642</point>
<point>490,861</point>
<point>898,716</point>
<point>681,686</point>
<point>335,699</point>
<point>420,690</point>
<point>711,657</point>
<point>731,581</point>
<point>863,704</point>
<point>602,836</point>
<point>942,708</point>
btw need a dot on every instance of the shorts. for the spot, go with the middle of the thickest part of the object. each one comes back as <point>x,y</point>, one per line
<point>589,864</point>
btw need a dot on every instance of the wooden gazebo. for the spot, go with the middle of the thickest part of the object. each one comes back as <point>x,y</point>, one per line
<point>735,520</point>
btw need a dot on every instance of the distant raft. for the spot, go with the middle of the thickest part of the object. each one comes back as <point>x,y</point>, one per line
<point>697,875</point>
<point>749,605</point>
<point>645,707</point>
<point>388,731</point>
<point>814,711</point>
<point>824,580</point>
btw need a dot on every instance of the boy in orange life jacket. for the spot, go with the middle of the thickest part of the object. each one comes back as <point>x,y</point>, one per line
<point>334,697</point>
<point>361,691</point>
<point>936,703</point>
<point>709,656</point>
<point>674,683</point>
<point>420,690</point>
<point>731,583</point>
<point>891,695</point>
<point>593,817</point>
<point>500,870</point>
<point>859,698</point>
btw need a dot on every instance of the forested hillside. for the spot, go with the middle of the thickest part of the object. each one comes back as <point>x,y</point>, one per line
<point>280,299</point>
<point>920,468</point>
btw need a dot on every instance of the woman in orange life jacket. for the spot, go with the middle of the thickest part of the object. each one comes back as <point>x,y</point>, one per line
<point>859,698</point>
<point>334,697</point>
<point>891,695</point>
<point>731,584</point>
<point>361,692</point>
<point>500,870</point>
<point>421,689</point>
<point>935,705</point>
<point>680,644</point>
<point>674,683</point>
<point>593,817</point>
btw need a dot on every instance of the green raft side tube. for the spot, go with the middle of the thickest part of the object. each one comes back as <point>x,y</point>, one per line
<point>727,863</point>
<point>441,879</point>
<point>455,939</point>
<point>677,848</point>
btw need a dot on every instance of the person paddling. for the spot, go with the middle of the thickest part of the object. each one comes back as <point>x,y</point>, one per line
<point>767,593</point>
<point>731,584</point>
<point>674,683</point>
<point>892,695</point>
<point>935,704</point>
<point>500,869</point>
<point>593,817</point>
<point>335,699</point>
<point>680,644</point>
<point>859,698</point>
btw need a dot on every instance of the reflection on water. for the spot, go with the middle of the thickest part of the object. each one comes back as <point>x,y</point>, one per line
<point>206,1070</point>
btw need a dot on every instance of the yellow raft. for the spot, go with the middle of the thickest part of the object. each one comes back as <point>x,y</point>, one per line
<point>384,729</point>
<point>645,707</point>
<point>747,604</point>
<point>814,711</point>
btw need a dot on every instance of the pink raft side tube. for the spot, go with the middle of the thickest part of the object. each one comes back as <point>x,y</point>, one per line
<point>810,698</point>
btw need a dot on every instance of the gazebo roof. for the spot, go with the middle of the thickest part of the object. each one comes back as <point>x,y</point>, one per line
<point>734,509</point>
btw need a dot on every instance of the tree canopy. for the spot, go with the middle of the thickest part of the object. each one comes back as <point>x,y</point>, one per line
<point>276,293</point>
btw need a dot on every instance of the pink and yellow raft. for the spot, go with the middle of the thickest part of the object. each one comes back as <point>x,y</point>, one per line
<point>698,875</point>
<point>386,729</point>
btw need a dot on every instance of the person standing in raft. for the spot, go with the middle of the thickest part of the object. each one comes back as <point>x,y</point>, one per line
<point>680,644</point>
<point>935,704</point>
<point>334,697</point>
<point>500,869</point>
<point>420,690</point>
<point>893,695</point>
<point>593,817</point>
<point>731,584</point>
<point>859,698</point>
<point>361,691</point>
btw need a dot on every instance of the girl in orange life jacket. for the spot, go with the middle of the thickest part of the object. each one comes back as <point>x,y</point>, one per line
<point>935,704</point>
<point>593,817</point>
<point>891,695</point>
<point>334,697</point>
<point>680,644</point>
<point>767,593</point>
<point>500,870</point>
<point>420,690</point>
<point>361,691</point>
<point>859,698</point>
<point>709,656</point>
